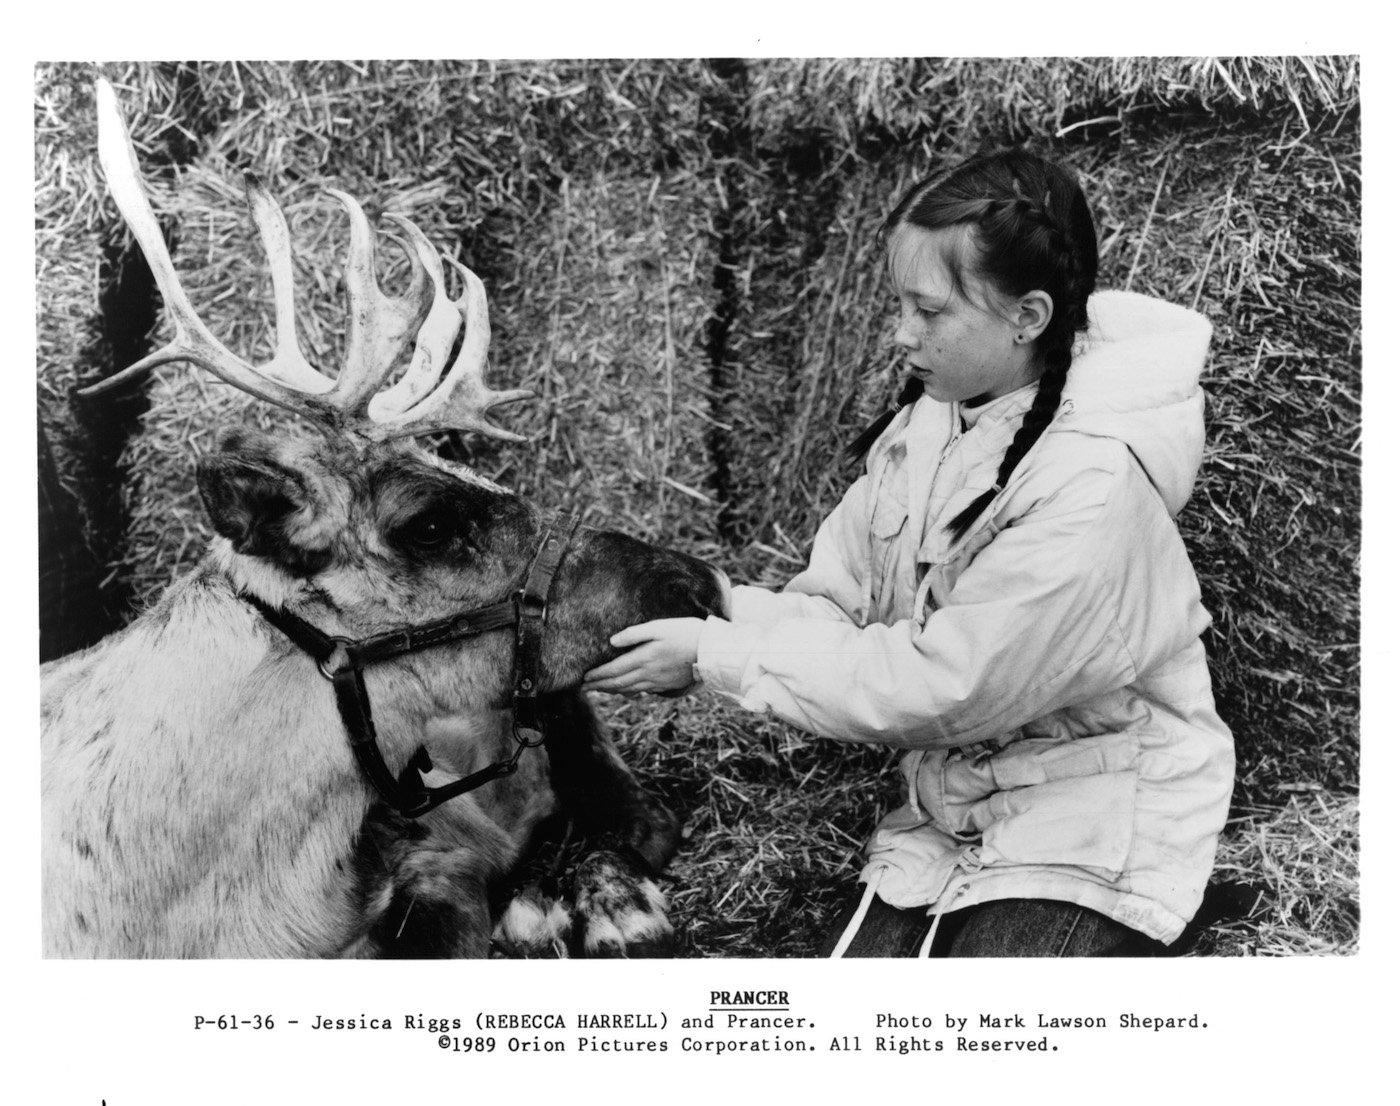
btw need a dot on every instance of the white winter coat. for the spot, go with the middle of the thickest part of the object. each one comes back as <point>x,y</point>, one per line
<point>1045,671</point>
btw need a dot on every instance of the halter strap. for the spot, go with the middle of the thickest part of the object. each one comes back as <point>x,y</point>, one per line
<point>342,661</point>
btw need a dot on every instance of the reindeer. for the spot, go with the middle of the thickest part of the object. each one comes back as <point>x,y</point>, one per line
<point>339,735</point>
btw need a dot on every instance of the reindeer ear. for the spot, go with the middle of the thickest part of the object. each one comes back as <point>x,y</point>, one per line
<point>259,504</point>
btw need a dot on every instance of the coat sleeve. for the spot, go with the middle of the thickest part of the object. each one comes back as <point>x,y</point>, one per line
<point>833,586</point>
<point>1062,605</point>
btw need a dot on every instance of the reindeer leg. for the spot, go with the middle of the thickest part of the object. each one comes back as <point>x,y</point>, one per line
<point>533,919</point>
<point>425,883</point>
<point>627,837</point>
<point>615,908</point>
<point>619,911</point>
<point>535,925</point>
<point>425,880</point>
<point>598,790</point>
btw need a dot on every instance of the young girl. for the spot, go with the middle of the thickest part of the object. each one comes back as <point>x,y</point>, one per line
<point>1003,593</point>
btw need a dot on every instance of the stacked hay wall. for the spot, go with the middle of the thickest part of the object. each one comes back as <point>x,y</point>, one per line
<point>680,261</point>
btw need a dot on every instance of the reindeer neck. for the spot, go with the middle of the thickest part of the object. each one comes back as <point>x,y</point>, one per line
<point>224,769</point>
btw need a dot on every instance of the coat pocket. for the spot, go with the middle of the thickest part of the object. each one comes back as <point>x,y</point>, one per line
<point>888,519</point>
<point>1085,823</point>
<point>1041,800</point>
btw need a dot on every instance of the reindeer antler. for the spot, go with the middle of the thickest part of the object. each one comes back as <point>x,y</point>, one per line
<point>380,326</point>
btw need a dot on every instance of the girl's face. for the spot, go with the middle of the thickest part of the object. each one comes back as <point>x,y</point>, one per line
<point>962,347</point>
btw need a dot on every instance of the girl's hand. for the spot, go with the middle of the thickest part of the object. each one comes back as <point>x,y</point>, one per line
<point>662,658</point>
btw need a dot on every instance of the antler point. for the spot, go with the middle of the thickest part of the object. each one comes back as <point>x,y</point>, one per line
<point>380,326</point>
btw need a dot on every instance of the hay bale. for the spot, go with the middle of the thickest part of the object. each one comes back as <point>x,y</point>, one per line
<point>869,103</point>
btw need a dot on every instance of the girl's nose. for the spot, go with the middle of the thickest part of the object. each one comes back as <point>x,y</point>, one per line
<point>904,335</point>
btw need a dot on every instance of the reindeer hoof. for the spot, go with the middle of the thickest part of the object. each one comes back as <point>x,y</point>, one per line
<point>533,927</point>
<point>619,911</point>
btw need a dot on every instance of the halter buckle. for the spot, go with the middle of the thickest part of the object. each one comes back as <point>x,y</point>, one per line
<point>530,604</point>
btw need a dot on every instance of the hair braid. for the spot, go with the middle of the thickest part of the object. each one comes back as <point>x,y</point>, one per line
<point>1056,351</point>
<point>912,390</point>
<point>1033,424</point>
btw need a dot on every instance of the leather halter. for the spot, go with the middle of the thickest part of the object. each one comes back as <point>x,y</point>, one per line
<point>342,661</point>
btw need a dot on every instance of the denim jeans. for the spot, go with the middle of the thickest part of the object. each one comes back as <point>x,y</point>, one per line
<point>1006,927</point>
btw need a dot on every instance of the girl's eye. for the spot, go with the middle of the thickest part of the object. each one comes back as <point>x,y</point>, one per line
<point>918,310</point>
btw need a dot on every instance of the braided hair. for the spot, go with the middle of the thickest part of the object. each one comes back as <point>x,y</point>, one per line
<point>1031,230</point>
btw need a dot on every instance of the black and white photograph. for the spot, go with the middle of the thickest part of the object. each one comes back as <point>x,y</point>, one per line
<point>721,516</point>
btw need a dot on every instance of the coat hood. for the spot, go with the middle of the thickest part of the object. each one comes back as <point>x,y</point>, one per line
<point>1136,378</point>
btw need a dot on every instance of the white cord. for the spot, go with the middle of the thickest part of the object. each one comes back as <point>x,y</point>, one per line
<point>849,933</point>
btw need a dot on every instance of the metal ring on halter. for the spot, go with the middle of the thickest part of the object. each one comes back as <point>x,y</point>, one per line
<point>339,659</point>
<point>525,742</point>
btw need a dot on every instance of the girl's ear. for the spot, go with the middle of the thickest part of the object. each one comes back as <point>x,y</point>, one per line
<point>1032,313</point>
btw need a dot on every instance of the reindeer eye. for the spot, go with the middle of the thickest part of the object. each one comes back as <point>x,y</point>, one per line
<point>427,531</point>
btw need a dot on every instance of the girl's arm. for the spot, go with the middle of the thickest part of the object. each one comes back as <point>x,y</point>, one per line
<point>833,585</point>
<point>1087,588</point>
